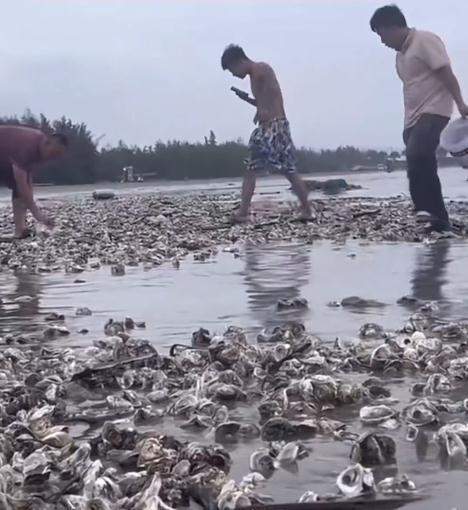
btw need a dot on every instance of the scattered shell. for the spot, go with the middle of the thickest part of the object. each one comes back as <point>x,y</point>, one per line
<point>292,378</point>
<point>118,270</point>
<point>262,462</point>
<point>373,450</point>
<point>396,486</point>
<point>374,415</point>
<point>83,312</point>
<point>421,413</point>
<point>293,304</point>
<point>355,481</point>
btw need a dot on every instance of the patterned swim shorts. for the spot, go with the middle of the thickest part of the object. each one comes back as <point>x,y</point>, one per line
<point>271,145</point>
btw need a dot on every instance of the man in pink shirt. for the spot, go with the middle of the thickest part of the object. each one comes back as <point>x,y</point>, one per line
<point>22,150</point>
<point>429,88</point>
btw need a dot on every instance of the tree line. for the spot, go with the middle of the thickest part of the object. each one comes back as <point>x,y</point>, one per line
<point>86,163</point>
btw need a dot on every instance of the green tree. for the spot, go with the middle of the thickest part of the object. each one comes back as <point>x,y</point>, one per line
<point>174,159</point>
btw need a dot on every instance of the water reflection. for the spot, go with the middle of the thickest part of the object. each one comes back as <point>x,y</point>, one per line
<point>20,305</point>
<point>429,275</point>
<point>422,445</point>
<point>273,273</point>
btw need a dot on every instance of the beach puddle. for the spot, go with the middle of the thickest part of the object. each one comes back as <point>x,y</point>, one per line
<point>244,290</point>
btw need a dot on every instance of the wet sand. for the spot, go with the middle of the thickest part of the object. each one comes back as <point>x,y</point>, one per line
<point>242,287</point>
<point>150,230</point>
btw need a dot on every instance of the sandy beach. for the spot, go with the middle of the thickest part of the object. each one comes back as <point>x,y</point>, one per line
<point>174,263</point>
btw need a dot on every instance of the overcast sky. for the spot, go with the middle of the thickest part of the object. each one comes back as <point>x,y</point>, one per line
<point>142,70</point>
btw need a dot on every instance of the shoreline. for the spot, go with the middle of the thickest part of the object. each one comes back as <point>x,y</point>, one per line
<point>152,229</point>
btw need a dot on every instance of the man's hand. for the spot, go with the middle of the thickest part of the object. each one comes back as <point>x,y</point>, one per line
<point>240,93</point>
<point>244,96</point>
<point>463,109</point>
<point>26,200</point>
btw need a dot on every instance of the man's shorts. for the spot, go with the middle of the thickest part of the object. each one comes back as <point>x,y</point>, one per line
<point>271,145</point>
<point>7,179</point>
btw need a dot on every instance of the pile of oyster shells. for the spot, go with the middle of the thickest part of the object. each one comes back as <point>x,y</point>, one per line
<point>149,230</point>
<point>103,427</point>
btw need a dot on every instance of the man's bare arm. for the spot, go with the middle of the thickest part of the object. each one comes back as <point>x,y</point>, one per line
<point>25,192</point>
<point>25,189</point>
<point>244,96</point>
<point>448,78</point>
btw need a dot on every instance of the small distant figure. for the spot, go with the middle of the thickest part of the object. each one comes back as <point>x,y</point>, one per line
<point>128,174</point>
<point>22,150</point>
<point>124,175</point>
<point>270,143</point>
<point>429,89</point>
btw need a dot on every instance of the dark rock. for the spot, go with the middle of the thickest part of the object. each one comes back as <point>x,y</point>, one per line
<point>103,194</point>
<point>409,301</point>
<point>330,186</point>
<point>371,330</point>
<point>358,302</point>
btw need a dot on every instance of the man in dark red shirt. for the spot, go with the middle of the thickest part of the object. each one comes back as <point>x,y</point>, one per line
<point>22,150</point>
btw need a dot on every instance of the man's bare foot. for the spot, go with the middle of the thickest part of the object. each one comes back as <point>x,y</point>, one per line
<point>306,216</point>
<point>23,234</point>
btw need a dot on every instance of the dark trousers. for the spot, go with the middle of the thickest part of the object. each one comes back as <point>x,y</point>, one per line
<point>7,179</point>
<point>421,142</point>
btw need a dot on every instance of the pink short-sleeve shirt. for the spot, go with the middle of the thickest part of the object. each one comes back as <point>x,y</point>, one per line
<point>422,54</point>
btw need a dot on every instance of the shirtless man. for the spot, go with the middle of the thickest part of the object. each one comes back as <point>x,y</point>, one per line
<point>270,143</point>
<point>22,149</point>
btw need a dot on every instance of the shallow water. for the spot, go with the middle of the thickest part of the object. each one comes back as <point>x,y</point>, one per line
<point>244,291</point>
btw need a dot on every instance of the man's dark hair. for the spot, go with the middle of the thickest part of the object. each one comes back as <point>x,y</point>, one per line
<point>386,17</point>
<point>231,55</point>
<point>61,138</point>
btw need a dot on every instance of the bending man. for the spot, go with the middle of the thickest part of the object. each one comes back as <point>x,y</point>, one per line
<point>22,150</point>
<point>270,143</point>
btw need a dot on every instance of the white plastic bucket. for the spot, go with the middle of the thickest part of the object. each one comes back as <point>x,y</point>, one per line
<point>454,139</point>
